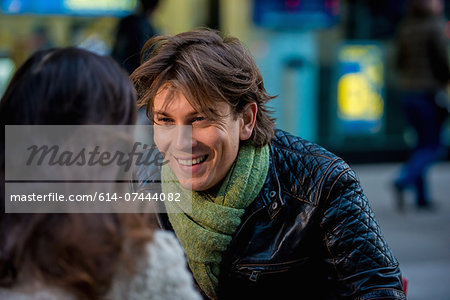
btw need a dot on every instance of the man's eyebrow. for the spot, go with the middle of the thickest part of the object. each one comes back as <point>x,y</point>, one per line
<point>159,112</point>
<point>164,113</point>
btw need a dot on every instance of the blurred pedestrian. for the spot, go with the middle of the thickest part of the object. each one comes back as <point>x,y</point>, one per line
<point>40,39</point>
<point>423,69</point>
<point>272,216</point>
<point>81,256</point>
<point>132,32</point>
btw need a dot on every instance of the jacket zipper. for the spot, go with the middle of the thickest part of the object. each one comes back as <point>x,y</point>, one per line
<point>240,229</point>
<point>254,272</point>
<point>254,275</point>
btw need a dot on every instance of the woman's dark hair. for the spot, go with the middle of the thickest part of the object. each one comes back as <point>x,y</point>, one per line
<point>207,69</point>
<point>79,253</point>
<point>68,86</point>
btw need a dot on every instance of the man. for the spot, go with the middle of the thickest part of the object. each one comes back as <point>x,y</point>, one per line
<point>272,215</point>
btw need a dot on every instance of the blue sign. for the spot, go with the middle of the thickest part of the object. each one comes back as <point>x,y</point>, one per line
<point>69,7</point>
<point>295,14</point>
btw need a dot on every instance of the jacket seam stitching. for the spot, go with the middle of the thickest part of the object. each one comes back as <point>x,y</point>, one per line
<point>298,198</point>
<point>319,192</point>
<point>326,236</point>
<point>301,153</point>
<point>335,181</point>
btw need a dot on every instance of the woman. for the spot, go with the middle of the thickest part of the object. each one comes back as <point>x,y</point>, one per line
<point>272,215</point>
<point>81,256</point>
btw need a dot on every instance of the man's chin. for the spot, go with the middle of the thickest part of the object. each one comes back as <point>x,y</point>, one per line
<point>192,185</point>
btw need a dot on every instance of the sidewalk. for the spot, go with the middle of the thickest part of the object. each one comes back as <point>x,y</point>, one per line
<point>419,239</point>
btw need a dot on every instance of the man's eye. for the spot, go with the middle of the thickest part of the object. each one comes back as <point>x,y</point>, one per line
<point>198,119</point>
<point>163,121</point>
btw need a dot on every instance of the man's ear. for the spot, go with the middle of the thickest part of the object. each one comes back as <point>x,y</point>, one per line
<point>248,121</point>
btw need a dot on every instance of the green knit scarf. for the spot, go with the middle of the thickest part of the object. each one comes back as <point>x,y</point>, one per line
<point>206,230</point>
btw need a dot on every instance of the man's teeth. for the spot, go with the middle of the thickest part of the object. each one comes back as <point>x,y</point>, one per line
<point>191,162</point>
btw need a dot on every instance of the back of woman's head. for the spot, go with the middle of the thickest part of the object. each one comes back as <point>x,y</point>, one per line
<point>76,252</point>
<point>68,86</point>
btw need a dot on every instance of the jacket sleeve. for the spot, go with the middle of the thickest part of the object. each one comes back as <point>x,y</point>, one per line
<point>364,266</point>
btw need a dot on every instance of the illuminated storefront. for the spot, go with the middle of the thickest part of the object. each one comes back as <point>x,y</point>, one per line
<point>360,99</point>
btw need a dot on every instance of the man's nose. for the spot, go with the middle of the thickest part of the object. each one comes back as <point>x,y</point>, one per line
<point>183,138</point>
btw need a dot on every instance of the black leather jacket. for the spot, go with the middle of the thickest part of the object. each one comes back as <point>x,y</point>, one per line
<point>309,234</point>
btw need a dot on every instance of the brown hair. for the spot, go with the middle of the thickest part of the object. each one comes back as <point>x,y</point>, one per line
<point>207,69</point>
<point>68,86</point>
<point>79,253</point>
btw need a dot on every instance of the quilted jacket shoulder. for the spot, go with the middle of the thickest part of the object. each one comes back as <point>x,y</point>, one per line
<point>299,163</point>
<point>335,187</point>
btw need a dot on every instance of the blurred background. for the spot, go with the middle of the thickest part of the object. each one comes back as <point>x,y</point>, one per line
<point>305,49</point>
<point>331,63</point>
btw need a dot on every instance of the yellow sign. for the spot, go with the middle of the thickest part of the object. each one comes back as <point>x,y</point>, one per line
<point>357,100</point>
<point>360,87</point>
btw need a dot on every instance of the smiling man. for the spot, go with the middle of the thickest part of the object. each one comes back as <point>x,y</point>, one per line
<point>272,215</point>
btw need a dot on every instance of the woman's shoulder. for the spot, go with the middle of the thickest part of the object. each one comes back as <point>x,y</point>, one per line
<point>165,249</point>
<point>35,290</point>
<point>161,273</point>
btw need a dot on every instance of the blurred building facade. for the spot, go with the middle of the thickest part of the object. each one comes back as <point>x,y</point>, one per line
<point>329,61</point>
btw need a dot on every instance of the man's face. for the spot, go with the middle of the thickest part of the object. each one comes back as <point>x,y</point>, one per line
<point>202,160</point>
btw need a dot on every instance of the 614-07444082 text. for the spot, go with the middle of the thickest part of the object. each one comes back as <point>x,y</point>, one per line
<point>102,197</point>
